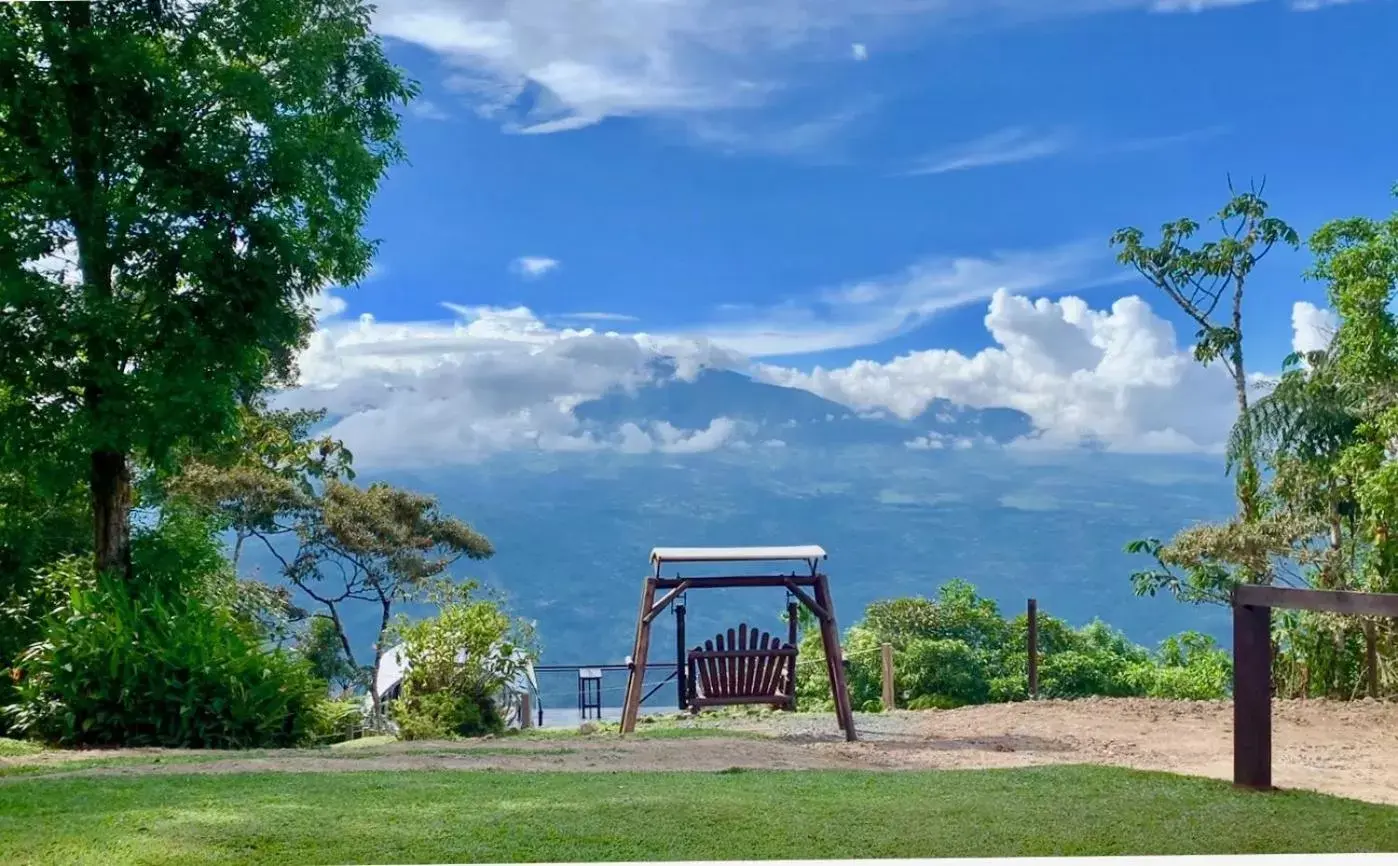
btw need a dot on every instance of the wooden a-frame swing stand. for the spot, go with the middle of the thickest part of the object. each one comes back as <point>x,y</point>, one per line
<point>811,590</point>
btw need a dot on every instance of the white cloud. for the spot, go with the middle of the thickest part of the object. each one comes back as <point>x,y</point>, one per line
<point>1198,5</point>
<point>870,311</point>
<point>533,267</point>
<point>1312,327</point>
<point>859,51</point>
<point>1117,377</point>
<point>425,109</point>
<point>490,380</point>
<point>1006,147</point>
<point>1017,145</point>
<point>818,138</point>
<point>550,66</point>
<point>595,317</point>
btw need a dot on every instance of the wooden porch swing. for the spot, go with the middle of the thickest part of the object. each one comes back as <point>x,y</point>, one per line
<point>743,665</point>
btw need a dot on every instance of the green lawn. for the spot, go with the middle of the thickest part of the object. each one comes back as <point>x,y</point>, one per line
<point>459,817</point>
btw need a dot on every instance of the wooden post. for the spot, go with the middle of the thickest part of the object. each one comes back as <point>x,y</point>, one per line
<point>681,671</point>
<point>1252,697</point>
<point>1033,649</point>
<point>887,652</point>
<point>830,639</point>
<point>526,715</point>
<point>636,679</point>
<point>793,637</point>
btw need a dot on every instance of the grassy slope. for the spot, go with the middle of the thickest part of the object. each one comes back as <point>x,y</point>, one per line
<point>499,817</point>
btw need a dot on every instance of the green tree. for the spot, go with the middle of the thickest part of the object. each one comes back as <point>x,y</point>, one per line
<point>1358,260</point>
<point>1207,283</point>
<point>177,180</point>
<point>379,546</point>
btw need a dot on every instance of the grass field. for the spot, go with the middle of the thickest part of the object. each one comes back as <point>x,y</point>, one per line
<point>402,817</point>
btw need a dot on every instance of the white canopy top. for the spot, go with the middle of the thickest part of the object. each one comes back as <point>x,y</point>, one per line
<point>803,552</point>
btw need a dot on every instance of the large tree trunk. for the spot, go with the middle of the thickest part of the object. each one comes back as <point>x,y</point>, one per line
<point>111,511</point>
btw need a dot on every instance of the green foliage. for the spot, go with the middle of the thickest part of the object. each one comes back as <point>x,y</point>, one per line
<point>1192,667</point>
<point>335,721</point>
<point>945,668</point>
<point>1200,280</point>
<point>458,664</point>
<point>164,660</point>
<point>320,645</point>
<point>176,183</point>
<point>958,650</point>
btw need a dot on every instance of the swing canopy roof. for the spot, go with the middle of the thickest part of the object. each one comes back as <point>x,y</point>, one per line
<point>810,553</point>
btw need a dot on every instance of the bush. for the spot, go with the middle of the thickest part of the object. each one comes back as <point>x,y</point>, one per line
<point>947,669</point>
<point>162,660</point>
<point>334,721</point>
<point>458,662</point>
<point>958,649</point>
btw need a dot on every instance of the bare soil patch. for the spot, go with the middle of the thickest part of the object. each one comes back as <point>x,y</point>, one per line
<point>1347,749</point>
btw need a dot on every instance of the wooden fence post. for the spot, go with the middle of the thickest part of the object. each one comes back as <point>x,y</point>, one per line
<point>1252,697</point>
<point>887,652</point>
<point>1033,643</point>
<point>526,715</point>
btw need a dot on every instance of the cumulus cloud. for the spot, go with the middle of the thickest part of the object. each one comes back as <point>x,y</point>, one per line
<point>490,380</point>
<point>859,51</point>
<point>1312,327</point>
<point>1116,377</point>
<point>485,381</point>
<point>533,267</point>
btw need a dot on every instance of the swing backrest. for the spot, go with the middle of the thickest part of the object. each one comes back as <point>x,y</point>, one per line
<point>749,667</point>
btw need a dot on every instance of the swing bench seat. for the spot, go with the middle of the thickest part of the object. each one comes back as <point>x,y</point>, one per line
<point>749,667</point>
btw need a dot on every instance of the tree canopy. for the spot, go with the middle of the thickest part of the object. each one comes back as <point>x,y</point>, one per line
<point>177,181</point>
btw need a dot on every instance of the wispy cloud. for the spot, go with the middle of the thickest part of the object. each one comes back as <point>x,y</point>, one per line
<point>533,267</point>
<point>539,67</point>
<point>426,109</point>
<point>1006,147</point>
<point>868,312</point>
<point>1018,144</point>
<point>595,317</point>
<point>818,139</point>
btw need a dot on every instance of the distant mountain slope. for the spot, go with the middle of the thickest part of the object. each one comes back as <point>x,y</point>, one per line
<point>794,416</point>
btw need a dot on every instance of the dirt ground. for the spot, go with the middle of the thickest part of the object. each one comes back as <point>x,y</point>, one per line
<point>1348,749</point>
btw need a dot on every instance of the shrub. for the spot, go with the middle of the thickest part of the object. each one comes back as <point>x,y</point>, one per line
<point>458,662</point>
<point>334,721</point>
<point>947,669</point>
<point>162,660</point>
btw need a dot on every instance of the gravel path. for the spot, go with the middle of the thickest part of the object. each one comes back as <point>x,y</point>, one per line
<point>1348,749</point>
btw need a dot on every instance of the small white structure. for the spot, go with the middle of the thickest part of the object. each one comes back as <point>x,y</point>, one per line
<point>393,668</point>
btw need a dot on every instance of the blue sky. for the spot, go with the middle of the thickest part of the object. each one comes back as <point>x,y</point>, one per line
<point>808,184</point>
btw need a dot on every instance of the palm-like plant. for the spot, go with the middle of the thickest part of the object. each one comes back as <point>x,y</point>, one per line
<point>1309,415</point>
